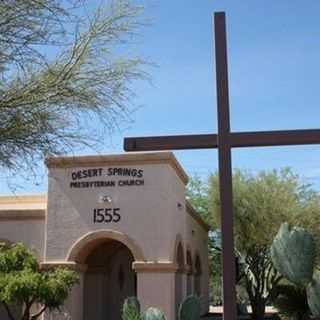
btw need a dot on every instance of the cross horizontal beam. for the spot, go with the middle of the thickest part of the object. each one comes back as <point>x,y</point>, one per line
<point>236,140</point>
<point>193,141</point>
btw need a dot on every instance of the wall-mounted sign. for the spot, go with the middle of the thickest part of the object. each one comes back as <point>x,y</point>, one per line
<point>106,177</point>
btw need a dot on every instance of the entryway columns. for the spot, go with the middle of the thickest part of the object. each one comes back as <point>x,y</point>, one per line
<point>156,286</point>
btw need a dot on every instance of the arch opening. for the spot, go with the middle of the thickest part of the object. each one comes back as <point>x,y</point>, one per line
<point>83,247</point>
<point>108,280</point>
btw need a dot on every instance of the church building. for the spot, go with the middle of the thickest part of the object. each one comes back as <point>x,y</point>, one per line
<point>123,223</point>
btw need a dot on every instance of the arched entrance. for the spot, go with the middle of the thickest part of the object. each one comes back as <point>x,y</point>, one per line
<point>109,279</point>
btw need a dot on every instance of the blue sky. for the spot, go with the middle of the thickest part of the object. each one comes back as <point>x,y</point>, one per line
<point>274,67</point>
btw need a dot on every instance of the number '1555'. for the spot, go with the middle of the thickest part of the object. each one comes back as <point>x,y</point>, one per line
<point>106,215</point>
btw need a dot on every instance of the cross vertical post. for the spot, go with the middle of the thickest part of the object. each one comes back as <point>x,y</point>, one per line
<point>225,169</point>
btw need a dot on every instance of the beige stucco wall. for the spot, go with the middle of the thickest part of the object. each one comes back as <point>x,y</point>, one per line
<point>30,232</point>
<point>22,219</point>
<point>157,290</point>
<point>197,242</point>
<point>148,212</point>
<point>154,219</point>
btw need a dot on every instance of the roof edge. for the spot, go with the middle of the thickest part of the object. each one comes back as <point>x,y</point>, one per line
<point>23,198</point>
<point>166,157</point>
<point>23,214</point>
<point>193,213</point>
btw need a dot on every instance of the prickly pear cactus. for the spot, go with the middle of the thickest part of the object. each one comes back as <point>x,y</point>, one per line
<point>131,309</point>
<point>153,314</point>
<point>190,309</point>
<point>293,254</point>
<point>313,293</point>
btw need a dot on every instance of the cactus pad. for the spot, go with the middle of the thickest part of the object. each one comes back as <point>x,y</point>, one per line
<point>131,309</point>
<point>153,314</point>
<point>293,254</point>
<point>190,309</point>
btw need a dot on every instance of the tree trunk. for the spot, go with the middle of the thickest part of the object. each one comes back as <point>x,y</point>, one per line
<point>258,309</point>
<point>26,313</point>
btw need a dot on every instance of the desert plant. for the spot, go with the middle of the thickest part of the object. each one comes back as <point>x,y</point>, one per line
<point>153,314</point>
<point>131,309</point>
<point>189,309</point>
<point>291,302</point>
<point>293,254</point>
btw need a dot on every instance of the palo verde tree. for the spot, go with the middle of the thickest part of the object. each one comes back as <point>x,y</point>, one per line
<point>23,284</point>
<point>63,68</point>
<point>261,203</point>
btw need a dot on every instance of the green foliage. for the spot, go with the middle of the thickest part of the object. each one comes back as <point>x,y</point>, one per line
<point>190,309</point>
<point>293,254</point>
<point>153,314</point>
<point>262,202</point>
<point>308,218</point>
<point>291,302</point>
<point>49,98</point>
<point>197,195</point>
<point>16,258</point>
<point>22,283</point>
<point>131,309</point>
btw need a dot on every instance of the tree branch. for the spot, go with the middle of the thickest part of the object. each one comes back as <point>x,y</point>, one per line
<point>36,315</point>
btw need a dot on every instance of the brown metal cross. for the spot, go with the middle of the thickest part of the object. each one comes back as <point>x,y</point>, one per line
<point>224,141</point>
